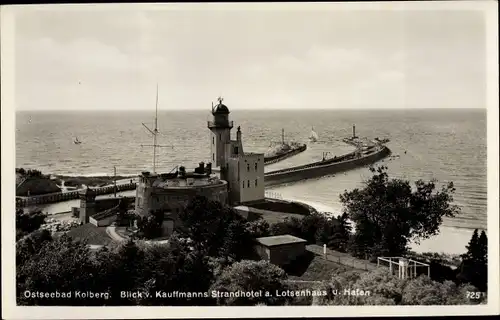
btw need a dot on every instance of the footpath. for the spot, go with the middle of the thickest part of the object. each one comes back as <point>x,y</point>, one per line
<point>341,258</point>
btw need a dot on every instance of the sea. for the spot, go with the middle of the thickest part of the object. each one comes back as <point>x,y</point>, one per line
<point>448,145</point>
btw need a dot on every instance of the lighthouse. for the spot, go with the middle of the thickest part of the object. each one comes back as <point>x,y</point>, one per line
<point>243,171</point>
<point>220,126</point>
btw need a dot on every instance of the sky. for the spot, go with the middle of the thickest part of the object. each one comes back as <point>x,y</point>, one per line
<point>88,58</point>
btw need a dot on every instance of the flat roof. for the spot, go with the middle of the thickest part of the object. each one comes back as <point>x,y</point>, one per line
<point>279,240</point>
<point>186,182</point>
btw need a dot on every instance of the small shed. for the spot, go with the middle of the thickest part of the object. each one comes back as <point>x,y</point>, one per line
<point>280,250</point>
<point>104,218</point>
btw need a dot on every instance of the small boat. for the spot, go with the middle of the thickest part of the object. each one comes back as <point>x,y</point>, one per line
<point>314,136</point>
<point>76,141</point>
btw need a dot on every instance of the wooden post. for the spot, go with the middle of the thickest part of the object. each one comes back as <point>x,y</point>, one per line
<point>115,178</point>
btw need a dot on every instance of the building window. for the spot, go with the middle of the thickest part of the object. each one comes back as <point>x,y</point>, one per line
<point>243,184</point>
<point>248,183</point>
<point>255,166</point>
<point>213,140</point>
<point>248,167</point>
<point>236,150</point>
<point>220,137</point>
<point>256,182</point>
<point>213,156</point>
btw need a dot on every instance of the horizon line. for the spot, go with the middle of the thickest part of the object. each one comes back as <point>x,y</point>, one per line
<point>261,109</point>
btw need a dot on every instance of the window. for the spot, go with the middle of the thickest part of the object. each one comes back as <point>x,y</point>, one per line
<point>243,184</point>
<point>213,140</point>
<point>248,183</point>
<point>220,137</point>
<point>255,166</point>
<point>236,150</point>
<point>248,167</point>
<point>213,156</point>
<point>256,182</point>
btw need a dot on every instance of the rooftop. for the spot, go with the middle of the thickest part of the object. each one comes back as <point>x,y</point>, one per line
<point>180,182</point>
<point>220,108</point>
<point>279,240</point>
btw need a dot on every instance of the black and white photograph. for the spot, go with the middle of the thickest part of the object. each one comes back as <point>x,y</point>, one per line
<point>250,155</point>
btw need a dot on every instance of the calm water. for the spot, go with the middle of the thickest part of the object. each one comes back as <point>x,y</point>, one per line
<point>448,145</point>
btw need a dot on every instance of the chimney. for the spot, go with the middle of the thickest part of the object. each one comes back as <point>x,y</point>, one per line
<point>202,167</point>
<point>209,168</point>
<point>354,131</point>
<point>182,172</point>
<point>238,134</point>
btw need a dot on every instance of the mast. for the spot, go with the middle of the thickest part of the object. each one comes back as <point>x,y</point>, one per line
<point>114,178</point>
<point>154,132</point>
<point>282,136</point>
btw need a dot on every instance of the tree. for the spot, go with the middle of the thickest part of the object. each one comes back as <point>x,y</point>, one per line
<point>388,214</point>
<point>27,222</point>
<point>334,289</point>
<point>287,226</point>
<point>258,228</point>
<point>424,291</point>
<point>151,226</point>
<point>122,218</point>
<point>335,233</point>
<point>380,287</point>
<point>474,266</point>
<point>483,248</point>
<point>31,245</point>
<point>216,229</point>
<point>251,276</point>
<point>61,265</point>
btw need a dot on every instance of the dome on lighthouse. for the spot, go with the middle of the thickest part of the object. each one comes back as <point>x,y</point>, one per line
<point>220,108</point>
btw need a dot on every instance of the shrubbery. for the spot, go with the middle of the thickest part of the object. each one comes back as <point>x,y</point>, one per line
<point>27,222</point>
<point>209,251</point>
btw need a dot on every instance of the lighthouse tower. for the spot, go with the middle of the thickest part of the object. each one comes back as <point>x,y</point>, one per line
<point>243,171</point>
<point>220,126</point>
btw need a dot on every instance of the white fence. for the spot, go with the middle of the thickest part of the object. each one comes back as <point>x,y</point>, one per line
<point>273,195</point>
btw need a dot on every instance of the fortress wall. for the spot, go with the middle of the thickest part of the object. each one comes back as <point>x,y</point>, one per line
<point>63,196</point>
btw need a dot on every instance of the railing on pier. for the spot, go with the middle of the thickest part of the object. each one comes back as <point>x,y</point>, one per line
<point>347,158</point>
<point>283,156</point>
<point>63,196</point>
<point>273,195</point>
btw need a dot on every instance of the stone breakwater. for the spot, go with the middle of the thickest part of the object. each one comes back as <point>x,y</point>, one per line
<point>322,168</point>
<point>285,155</point>
<point>361,157</point>
<point>65,196</point>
